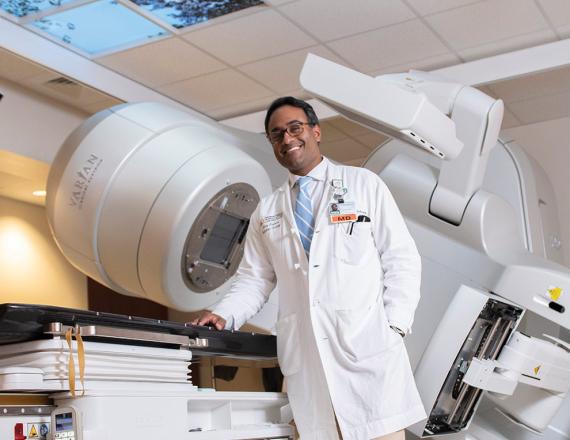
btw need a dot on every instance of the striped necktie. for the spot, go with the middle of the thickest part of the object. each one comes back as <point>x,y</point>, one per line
<point>304,213</point>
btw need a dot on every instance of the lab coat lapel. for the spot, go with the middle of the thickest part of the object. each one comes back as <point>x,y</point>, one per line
<point>286,205</point>
<point>291,224</point>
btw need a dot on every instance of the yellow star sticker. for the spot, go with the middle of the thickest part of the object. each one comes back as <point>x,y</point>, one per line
<point>555,293</point>
<point>536,369</point>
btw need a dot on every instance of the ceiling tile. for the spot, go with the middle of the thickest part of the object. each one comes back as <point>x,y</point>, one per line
<point>425,65</point>
<point>509,120</point>
<point>63,89</point>
<point>281,73</point>
<point>101,105</point>
<point>508,45</point>
<point>163,62</point>
<point>557,11</point>
<point>486,22</point>
<point>372,139</point>
<point>229,111</point>
<point>52,84</point>
<point>348,127</point>
<point>488,91</point>
<point>330,133</point>
<point>332,19</point>
<point>299,93</point>
<point>250,38</point>
<point>533,86</point>
<point>255,106</point>
<point>14,68</point>
<point>278,2</point>
<point>542,109</point>
<point>409,41</point>
<point>344,150</point>
<point>216,90</point>
<point>355,162</point>
<point>426,7</point>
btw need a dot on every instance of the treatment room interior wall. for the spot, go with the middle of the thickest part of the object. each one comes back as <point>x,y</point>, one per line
<point>547,144</point>
<point>32,268</point>
<point>34,125</point>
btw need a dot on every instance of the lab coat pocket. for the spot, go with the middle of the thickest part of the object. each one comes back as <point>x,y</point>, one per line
<point>353,241</point>
<point>288,350</point>
<point>364,333</point>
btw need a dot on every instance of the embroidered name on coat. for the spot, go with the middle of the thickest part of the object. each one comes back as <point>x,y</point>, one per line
<point>271,222</point>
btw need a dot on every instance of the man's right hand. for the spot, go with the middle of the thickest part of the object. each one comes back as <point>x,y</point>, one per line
<point>209,318</point>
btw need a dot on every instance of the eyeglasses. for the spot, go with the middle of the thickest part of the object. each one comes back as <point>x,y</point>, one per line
<point>293,129</point>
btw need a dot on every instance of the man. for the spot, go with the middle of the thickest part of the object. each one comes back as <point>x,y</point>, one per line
<point>348,281</point>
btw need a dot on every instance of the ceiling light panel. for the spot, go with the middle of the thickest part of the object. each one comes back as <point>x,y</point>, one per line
<point>98,27</point>
<point>23,8</point>
<point>183,13</point>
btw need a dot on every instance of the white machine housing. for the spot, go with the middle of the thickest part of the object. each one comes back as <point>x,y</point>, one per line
<point>409,116</point>
<point>130,391</point>
<point>512,216</point>
<point>154,202</point>
<point>423,111</point>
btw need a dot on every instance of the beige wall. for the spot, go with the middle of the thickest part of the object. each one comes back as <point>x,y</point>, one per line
<point>32,269</point>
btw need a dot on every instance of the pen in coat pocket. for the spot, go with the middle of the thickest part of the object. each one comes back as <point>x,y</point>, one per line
<point>360,219</point>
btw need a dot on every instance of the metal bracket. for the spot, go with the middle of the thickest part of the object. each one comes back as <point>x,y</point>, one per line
<point>481,374</point>
<point>124,334</point>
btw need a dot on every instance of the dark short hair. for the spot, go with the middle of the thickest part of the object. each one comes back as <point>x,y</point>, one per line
<point>312,118</point>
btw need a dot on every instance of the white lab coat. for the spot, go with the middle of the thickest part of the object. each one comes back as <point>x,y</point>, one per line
<point>334,341</point>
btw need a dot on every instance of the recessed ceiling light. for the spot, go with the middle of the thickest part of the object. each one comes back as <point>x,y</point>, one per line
<point>184,13</point>
<point>39,193</point>
<point>27,7</point>
<point>99,26</point>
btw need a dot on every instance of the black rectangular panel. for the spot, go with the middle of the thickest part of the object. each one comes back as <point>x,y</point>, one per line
<point>25,322</point>
<point>223,238</point>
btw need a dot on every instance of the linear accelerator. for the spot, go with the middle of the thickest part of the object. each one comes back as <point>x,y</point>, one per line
<point>155,202</point>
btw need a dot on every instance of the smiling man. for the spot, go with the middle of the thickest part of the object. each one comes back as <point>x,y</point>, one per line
<point>348,274</point>
<point>299,153</point>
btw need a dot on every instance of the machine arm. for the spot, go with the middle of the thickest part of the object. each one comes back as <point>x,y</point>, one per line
<point>526,360</point>
<point>454,122</point>
<point>528,381</point>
